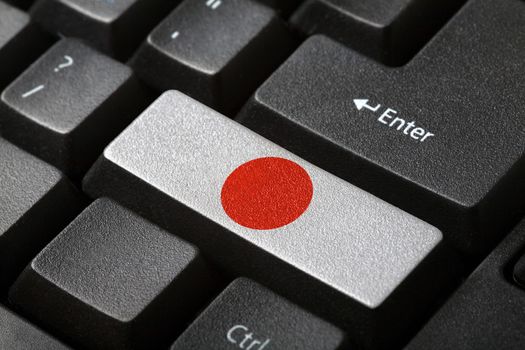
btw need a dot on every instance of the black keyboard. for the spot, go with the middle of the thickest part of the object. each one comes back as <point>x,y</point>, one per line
<point>262,174</point>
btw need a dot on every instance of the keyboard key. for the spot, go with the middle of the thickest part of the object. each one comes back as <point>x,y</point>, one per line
<point>389,31</point>
<point>256,209</point>
<point>18,334</point>
<point>487,311</point>
<point>429,137</point>
<point>36,201</point>
<point>248,316</point>
<point>69,104</point>
<point>20,43</point>
<point>216,51</point>
<point>113,280</point>
<point>115,27</point>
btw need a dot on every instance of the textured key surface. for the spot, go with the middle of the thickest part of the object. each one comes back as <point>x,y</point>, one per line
<point>114,280</point>
<point>215,51</point>
<point>113,26</point>
<point>465,177</point>
<point>17,334</point>
<point>35,202</point>
<point>248,316</point>
<point>20,42</point>
<point>347,243</point>
<point>487,311</point>
<point>12,22</point>
<point>68,105</point>
<point>390,31</point>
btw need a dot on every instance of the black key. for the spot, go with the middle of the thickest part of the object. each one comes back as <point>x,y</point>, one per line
<point>487,311</point>
<point>216,51</point>
<point>248,316</point>
<point>113,280</point>
<point>18,334</point>
<point>430,137</point>
<point>36,202</point>
<point>389,31</point>
<point>20,42</point>
<point>115,27</point>
<point>69,104</point>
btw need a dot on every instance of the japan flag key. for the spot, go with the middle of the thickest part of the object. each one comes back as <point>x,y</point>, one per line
<point>259,211</point>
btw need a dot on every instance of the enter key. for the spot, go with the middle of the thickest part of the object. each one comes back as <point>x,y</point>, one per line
<point>442,137</point>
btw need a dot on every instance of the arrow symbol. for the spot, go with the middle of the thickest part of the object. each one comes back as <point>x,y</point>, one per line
<point>362,103</point>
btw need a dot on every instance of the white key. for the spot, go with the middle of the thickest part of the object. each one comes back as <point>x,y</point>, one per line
<point>347,246</point>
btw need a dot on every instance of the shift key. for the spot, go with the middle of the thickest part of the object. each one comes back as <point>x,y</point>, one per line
<point>259,211</point>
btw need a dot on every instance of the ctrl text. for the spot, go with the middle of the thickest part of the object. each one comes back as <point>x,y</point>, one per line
<point>241,337</point>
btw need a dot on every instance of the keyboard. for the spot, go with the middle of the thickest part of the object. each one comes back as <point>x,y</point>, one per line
<point>262,174</point>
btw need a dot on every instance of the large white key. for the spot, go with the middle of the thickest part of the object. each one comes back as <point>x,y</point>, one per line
<point>258,210</point>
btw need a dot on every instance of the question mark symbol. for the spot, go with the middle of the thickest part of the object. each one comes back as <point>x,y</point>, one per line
<point>68,63</point>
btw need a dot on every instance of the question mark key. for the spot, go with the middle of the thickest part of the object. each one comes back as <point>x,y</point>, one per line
<point>62,108</point>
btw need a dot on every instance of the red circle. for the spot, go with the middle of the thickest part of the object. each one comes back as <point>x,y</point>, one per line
<point>267,193</point>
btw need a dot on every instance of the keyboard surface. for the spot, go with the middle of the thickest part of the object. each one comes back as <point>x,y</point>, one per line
<point>259,174</point>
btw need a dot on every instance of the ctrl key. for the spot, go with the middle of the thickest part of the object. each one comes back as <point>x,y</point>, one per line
<point>112,280</point>
<point>249,316</point>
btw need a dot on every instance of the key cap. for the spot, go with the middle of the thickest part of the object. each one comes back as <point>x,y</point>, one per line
<point>68,105</point>
<point>113,280</point>
<point>430,137</point>
<point>487,311</point>
<point>256,209</point>
<point>388,31</point>
<point>215,51</point>
<point>36,201</point>
<point>115,27</point>
<point>20,43</point>
<point>18,334</point>
<point>248,316</point>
